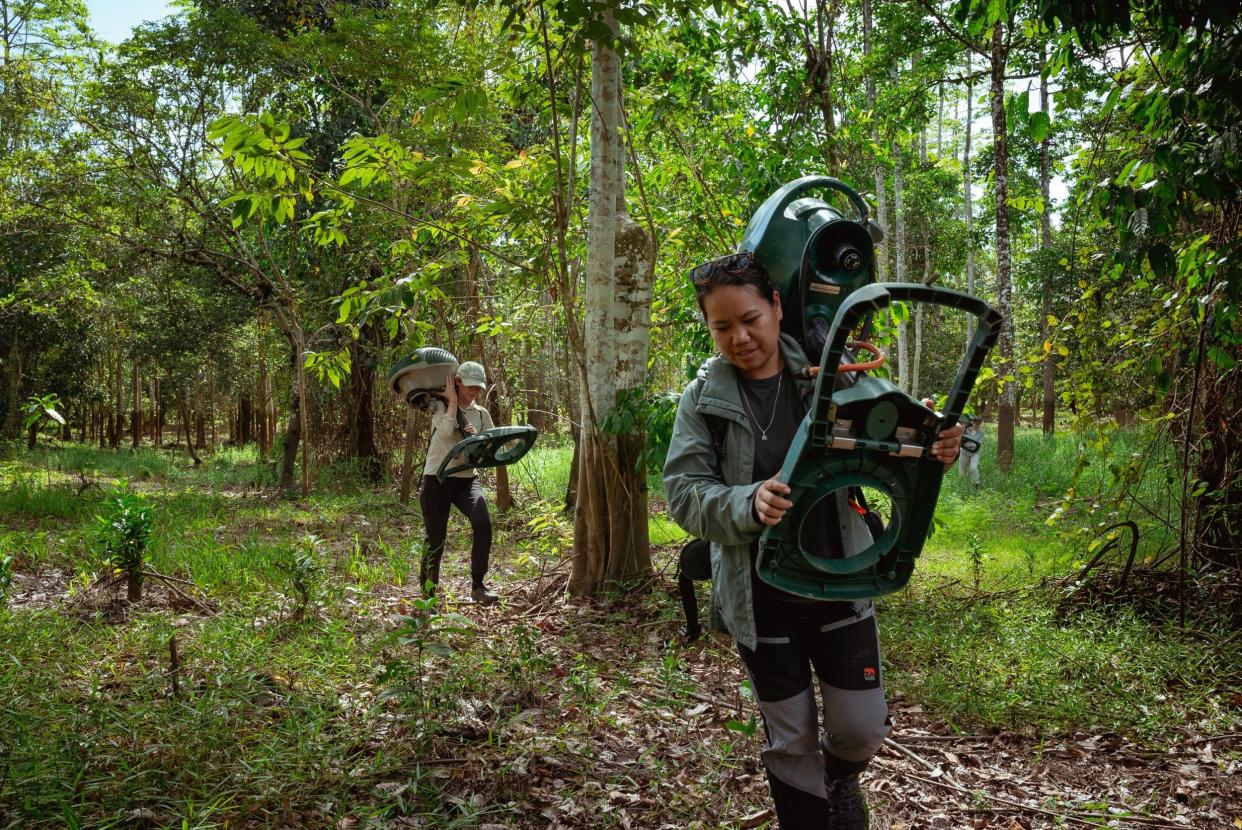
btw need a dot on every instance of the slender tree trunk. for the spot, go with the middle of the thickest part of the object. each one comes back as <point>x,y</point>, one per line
<point>917,363</point>
<point>360,417</point>
<point>574,406</point>
<point>968,197</point>
<point>245,418</point>
<point>161,413</point>
<point>136,412</point>
<point>211,415</point>
<point>114,414</point>
<point>293,434</point>
<point>407,459</point>
<point>899,256</point>
<point>13,415</point>
<point>881,202</point>
<point>185,419</point>
<point>939,120</point>
<point>1004,286</point>
<point>1045,242</point>
<point>819,62</point>
<point>262,387</point>
<point>610,523</point>
<point>498,402</point>
<point>200,422</point>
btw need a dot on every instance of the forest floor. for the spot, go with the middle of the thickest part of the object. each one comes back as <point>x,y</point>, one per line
<point>316,691</point>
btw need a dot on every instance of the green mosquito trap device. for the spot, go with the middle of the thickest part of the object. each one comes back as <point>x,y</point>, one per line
<point>870,434</point>
<point>419,379</point>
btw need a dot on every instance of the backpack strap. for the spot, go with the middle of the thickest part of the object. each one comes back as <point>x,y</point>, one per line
<point>717,426</point>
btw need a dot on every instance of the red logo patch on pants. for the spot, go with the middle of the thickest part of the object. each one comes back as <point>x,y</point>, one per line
<point>869,674</point>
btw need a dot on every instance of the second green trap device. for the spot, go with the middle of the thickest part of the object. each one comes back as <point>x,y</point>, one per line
<point>419,379</point>
<point>870,434</point>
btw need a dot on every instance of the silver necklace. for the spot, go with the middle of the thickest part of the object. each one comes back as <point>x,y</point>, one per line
<point>776,402</point>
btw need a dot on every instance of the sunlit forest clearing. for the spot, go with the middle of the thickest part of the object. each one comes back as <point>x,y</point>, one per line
<point>220,237</point>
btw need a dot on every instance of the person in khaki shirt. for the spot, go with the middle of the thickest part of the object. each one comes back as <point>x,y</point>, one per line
<point>456,417</point>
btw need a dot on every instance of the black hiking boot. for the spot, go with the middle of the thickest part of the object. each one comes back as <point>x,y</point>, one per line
<point>483,595</point>
<point>847,806</point>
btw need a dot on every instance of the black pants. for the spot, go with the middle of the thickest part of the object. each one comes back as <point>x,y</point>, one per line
<point>835,643</point>
<point>466,494</point>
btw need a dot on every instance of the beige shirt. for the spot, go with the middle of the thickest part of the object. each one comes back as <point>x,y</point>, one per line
<point>445,435</point>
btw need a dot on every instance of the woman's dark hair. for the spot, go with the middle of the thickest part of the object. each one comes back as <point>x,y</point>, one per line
<point>735,269</point>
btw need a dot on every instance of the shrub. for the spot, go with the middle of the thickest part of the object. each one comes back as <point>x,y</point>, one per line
<point>124,530</point>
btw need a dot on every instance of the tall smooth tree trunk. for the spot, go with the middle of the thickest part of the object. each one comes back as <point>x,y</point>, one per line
<point>13,414</point>
<point>1045,242</point>
<point>968,198</point>
<point>899,256</point>
<point>136,413</point>
<point>498,402</point>
<point>881,202</point>
<point>573,406</point>
<point>245,418</point>
<point>610,519</point>
<point>928,278</point>
<point>939,120</point>
<point>262,389</point>
<point>360,403</point>
<point>118,404</point>
<point>1004,285</point>
<point>184,415</point>
<point>211,383</point>
<point>293,434</point>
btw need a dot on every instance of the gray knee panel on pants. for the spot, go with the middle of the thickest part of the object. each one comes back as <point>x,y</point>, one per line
<point>793,753</point>
<point>855,722</point>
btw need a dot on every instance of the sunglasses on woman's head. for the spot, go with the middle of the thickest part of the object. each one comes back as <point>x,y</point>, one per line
<point>731,264</point>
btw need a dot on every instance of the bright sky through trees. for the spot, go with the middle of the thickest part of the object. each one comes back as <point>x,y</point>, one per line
<point>113,20</point>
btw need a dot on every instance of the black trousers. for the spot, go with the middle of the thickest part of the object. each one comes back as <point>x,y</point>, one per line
<point>832,645</point>
<point>466,494</point>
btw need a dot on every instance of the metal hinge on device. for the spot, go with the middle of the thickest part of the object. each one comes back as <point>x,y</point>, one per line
<point>841,438</point>
<point>907,450</point>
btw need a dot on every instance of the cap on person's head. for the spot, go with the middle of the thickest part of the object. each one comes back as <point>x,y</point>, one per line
<point>472,374</point>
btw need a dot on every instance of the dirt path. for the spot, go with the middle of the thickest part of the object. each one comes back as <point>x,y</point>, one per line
<point>652,751</point>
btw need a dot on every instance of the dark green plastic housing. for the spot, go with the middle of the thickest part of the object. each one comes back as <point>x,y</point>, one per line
<point>417,377</point>
<point>814,254</point>
<point>495,447</point>
<point>869,435</point>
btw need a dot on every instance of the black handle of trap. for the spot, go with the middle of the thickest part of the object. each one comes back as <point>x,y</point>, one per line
<point>872,298</point>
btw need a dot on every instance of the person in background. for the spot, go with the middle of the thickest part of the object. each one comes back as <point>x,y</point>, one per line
<point>727,492</point>
<point>455,418</point>
<point>970,457</point>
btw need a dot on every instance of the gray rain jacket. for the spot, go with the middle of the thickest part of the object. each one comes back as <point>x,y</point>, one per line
<point>710,497</point>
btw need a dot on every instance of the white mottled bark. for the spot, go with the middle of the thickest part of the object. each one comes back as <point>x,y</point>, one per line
<point>968,197</point>
<point>1004,284</point>
<point>610,520</point>
<point>1045,242</point>
<point>899,259</point>
<point>606,188</point>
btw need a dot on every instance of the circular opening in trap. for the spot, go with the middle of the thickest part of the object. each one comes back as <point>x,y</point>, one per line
<point>861,514</point>
<point>509,448</point>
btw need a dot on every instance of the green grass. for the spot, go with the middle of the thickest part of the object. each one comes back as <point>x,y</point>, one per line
<point>1010,663</point>
<point>280,720</point>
